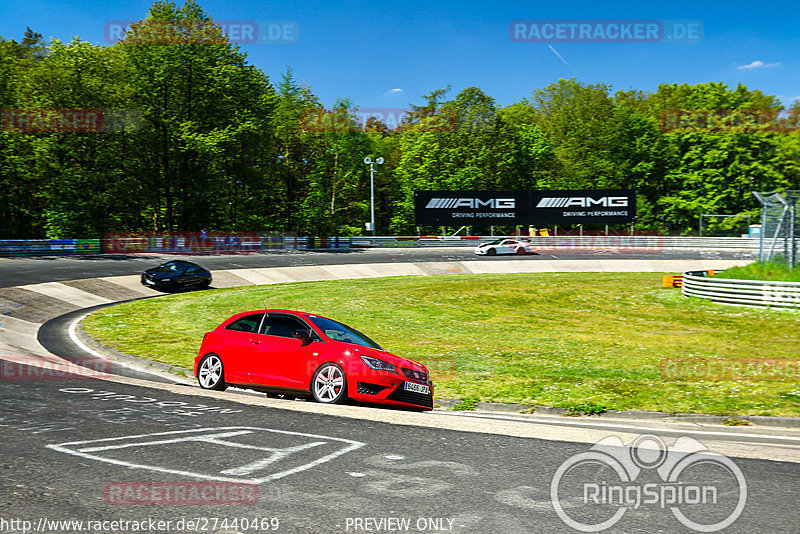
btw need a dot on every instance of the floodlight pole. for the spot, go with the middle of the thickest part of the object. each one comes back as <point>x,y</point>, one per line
<point>792,226</point>
<point>761,256</point>
<point>369,162</point>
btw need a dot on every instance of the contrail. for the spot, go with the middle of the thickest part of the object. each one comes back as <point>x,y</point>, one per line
<point>563,61</point>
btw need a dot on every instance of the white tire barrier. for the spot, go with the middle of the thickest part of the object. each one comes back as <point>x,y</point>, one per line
<point>759,293</point>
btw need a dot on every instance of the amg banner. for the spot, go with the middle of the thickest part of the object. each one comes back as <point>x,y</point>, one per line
<point>498,208</point>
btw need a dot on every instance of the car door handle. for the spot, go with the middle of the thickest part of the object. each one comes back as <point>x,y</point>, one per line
<point>255,341</point>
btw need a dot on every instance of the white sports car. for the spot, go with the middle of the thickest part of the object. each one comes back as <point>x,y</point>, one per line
<point>504,246</point>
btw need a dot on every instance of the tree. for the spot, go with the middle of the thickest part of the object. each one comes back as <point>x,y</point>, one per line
<point>603,142</point>
<point>191,135</point>
<point>715,171</point>
<point>483,148</point>
<point>19,210</point>
<point>206,120</point>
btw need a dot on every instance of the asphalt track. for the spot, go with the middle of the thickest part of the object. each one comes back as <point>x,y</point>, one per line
<point>55,466</point>
<point>19,271</point>
<point>322,469</point>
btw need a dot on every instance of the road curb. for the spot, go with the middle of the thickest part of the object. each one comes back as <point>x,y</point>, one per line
<point>640,415</point>
<point>339,271</point>
<point>140,363</point>
<point>494,407</point>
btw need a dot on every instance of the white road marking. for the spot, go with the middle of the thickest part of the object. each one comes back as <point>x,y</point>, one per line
<point>279,454</point>
<point>73,335</point>
<point>67,293</point>
<point>212,436</point>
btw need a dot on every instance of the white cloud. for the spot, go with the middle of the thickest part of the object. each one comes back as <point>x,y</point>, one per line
<point>758,64</point>
<point>395,91</point>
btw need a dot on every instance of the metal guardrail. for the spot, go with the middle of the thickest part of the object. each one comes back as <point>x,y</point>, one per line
<point>48,247</point>
<point>569,242</point>
<point>646,241</point>
<point>758,293</point>
<point>175,243</point>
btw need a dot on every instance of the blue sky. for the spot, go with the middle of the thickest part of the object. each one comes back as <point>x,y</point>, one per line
<point>386,54</point>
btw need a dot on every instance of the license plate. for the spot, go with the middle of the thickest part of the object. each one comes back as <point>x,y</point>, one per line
<point>417,388</point>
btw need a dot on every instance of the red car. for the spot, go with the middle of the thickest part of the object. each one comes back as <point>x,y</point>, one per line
<point>295,354</point>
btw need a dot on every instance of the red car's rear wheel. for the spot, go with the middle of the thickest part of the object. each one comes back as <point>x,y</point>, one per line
<point>211,374</point>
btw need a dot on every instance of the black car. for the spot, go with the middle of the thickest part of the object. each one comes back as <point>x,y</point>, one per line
<point>176,275</point>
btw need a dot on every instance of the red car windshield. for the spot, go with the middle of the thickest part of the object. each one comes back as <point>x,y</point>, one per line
<point>341,332</point>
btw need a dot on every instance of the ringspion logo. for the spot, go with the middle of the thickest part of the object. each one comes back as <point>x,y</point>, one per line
<point>593,490</point>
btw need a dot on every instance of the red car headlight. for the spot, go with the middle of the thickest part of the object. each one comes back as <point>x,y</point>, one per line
<point>378,365</point>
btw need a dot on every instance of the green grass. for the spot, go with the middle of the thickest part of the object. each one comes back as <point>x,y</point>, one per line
<point>467,404</point>
<point>586,342</point>
<point>763,271</point>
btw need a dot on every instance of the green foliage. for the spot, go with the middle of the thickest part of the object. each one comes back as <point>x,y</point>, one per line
<point>468,404</point>
<point>214,144</point>
<point>581,341</point>
<point>769,270</point>
<point>583,408</point>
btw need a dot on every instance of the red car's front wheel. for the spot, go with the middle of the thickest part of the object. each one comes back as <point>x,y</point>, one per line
<point>329,384</point>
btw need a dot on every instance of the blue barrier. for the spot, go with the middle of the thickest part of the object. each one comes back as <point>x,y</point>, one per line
<point>36,247</point>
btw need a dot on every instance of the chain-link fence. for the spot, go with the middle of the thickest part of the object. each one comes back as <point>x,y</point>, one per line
<point>780,226</point>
